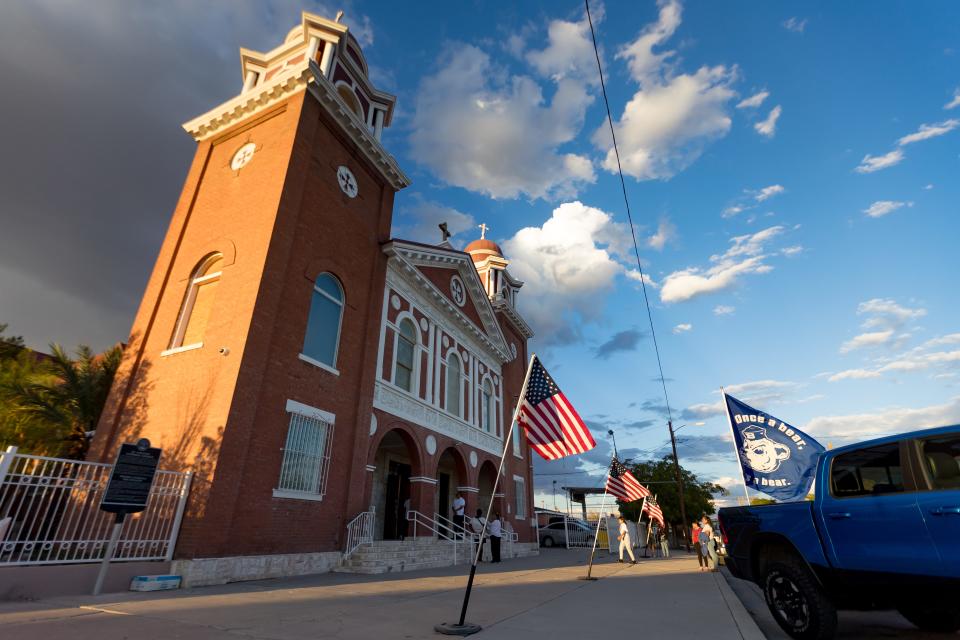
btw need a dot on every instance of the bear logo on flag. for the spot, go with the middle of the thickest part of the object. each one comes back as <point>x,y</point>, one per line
<point>760,453</point>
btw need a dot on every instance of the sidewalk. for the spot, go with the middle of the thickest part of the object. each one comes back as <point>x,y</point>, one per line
<point>539,595</point>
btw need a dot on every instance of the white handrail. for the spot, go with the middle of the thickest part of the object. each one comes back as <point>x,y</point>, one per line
<point>359,531</point>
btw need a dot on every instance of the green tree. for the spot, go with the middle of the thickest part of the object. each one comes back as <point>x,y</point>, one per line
<point>61,396</point>
<point>660,477</point>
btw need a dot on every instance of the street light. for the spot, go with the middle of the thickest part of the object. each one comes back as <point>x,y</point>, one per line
<point>676,466</point>
<point>610,433</point>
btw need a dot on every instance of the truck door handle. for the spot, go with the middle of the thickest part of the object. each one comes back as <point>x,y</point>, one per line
<point>944,511</point>
<point>842,515</point>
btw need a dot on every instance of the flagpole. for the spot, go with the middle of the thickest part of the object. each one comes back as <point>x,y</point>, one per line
<point>650,528</point>
<point>736,453</point>
<point>596,534</point>
<point>463,628</point>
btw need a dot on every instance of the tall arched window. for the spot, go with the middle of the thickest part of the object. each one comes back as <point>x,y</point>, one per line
<point>487,407</point>
<point>406,341</point>
<point>197,303</point>
<point>454,386</point>
<point>322,338</point>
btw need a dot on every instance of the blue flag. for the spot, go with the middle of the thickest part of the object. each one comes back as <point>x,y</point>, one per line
<point>775,458</point>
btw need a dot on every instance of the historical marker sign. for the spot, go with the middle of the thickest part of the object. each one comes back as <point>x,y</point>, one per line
<point>131,478</point>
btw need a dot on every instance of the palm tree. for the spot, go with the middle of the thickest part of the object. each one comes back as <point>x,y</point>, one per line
<point>69,397</point>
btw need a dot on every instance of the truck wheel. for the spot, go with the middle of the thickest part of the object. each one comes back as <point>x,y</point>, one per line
<point>796,601</point>
<point>941,619</point>
<point>548,541</point>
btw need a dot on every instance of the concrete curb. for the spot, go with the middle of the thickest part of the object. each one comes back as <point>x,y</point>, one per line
<point>745,623</point>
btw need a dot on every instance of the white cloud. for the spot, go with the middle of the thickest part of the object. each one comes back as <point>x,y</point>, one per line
<point>769,126</point>
<point>792,251</point>
<point>633,274</point>
<point>753,101</point>
<point>870,339</point>
<point>569,52</point>
<point>928,187</point>
<point>886,421</point>
<point>887,312</point>
<point>669,121</point>
<point>569,265</point>
<point>418,221</point>
<point>869,164</point>
<point>768,192</point>
<point>883,207</point>
<point>666,232</point>
<point>723,310</point>
<point>955,102</point>
<point>479,128</point>
<point>731,211</point>
<point>795,24</point>
<point>927,131</point>
<point>762,391</point>
<point>683,328</point>
<point>744,257</point>
<point>920,358</point>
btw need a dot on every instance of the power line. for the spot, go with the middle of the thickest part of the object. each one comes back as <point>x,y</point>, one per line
<point>626,201</point>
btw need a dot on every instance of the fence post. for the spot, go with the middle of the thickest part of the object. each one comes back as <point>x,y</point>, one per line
<point>178,518</point>
<point>566,533</point>
<point>6,459</point>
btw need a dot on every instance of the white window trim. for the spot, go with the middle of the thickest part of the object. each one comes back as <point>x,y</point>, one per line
<point>485,408</point>
<point>186,347</point>
<point>306,410</point>
<point>522,481</point>
<point>417,347</point>
<point>342,303</point>
<point>319,364</point>
<point>186,310</point>
<point>517,435</point>
<point>446,407</point>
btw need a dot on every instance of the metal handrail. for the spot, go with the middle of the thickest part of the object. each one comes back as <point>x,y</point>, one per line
<point>359,531</point>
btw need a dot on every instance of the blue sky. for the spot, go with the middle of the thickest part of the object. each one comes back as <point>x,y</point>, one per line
<point>792,170</point>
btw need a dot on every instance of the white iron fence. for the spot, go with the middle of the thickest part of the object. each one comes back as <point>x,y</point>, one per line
<point>50,513</point>
<point>360,531</point>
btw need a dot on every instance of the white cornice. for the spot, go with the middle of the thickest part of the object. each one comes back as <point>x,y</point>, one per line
<point>305,75</point>
<point>405,260</point>
<point>515,318</point>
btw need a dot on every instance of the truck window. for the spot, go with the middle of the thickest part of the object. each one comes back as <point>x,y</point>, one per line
<point>941,457</point>
<point>867,472</point>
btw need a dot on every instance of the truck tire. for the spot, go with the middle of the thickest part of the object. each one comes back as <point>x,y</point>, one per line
<point>796,601</point>
<point>941,619</point>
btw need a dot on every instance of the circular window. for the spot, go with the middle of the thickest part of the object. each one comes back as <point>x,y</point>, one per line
<point>347,181</point>
<point>458,291</point>
<point>243,156</point>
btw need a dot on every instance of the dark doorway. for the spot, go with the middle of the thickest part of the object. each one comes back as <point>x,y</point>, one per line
<point>443,496</point>
<point>398,491</point>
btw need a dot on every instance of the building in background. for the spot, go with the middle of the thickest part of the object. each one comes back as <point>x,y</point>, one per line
<point>301,362</point>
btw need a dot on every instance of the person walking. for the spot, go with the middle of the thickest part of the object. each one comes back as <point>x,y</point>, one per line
<point>477,525</point>
<point>496,531</point>
<point>458,506</point>
<point>664,542</point>
<point>696,544</point>
<point>709,544</point>
<point>624,539</point>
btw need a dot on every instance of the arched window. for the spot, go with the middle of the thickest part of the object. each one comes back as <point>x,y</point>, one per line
<point>322,338</point>
<point>454,386</point>
<point>406,340</point>
<point>197,303</point>
<point>487,407</point>
<point>350,98</point>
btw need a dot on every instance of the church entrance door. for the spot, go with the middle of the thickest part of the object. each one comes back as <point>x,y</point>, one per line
<point>398,492</point>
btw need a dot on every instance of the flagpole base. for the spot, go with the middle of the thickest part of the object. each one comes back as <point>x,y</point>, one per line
<point>590,578</point>
<point>454,629</point>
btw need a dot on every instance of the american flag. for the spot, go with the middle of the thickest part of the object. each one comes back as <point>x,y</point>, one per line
<point>622,484</point>
<point>654,511</point>
<point>553,427</point>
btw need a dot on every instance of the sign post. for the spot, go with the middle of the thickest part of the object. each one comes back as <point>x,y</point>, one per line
<point>128,491</point>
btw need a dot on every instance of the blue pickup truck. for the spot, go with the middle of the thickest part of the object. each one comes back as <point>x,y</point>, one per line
<point>883,532</point>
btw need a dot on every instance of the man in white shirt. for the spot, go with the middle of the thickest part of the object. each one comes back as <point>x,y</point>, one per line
<point>624,539</point>
<point>458,506</point>
<point>496,531</point>
<point>477,525</point>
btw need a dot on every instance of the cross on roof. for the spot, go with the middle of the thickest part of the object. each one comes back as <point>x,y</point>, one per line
<point>483,230</point>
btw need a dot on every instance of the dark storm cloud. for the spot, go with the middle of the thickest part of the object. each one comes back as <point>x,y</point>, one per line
<point>94,154</point>
<point>622,341</point>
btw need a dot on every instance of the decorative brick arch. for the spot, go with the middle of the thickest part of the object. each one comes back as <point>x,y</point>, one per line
<point>409,438</point>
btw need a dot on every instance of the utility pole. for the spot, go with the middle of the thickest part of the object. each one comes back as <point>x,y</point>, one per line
<point>554,497</point>
<point>676,465</point>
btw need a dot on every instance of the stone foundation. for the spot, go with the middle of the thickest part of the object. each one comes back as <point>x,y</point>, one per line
<point>201,572</point>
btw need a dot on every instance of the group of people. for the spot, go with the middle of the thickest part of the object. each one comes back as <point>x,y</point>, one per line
<point>705,544</point>
<point>658,543</point>
<point>494,528</point>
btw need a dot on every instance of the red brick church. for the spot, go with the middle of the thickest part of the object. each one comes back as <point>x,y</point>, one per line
<point>301,362</point>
